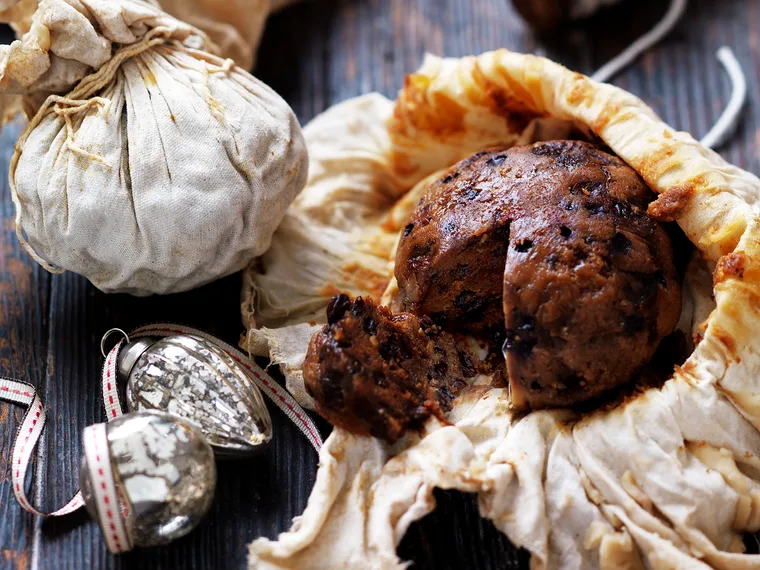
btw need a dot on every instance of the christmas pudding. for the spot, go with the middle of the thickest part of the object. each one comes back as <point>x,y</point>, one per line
<point>620,428</point>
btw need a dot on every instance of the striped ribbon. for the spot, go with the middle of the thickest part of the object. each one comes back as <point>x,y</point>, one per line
<point>104,493</point>
<point>95,442</point>
<point>26,440</point>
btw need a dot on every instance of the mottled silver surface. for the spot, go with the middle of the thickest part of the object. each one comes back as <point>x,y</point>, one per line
<point>190,377</point>
<point>164,472</point>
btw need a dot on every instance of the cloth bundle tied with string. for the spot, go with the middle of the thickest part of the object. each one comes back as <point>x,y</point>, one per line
<point>162,167</point>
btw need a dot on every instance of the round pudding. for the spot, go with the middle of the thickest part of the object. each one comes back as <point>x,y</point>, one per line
<point>551,245</point>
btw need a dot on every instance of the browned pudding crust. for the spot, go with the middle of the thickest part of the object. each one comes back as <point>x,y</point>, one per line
<point>451,255</point>
<point>554,240</point>
<point>590,287</point>
<point>548,246</point>
<point>374,373</point>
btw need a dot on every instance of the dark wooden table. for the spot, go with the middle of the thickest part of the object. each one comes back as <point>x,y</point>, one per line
<point>316,54</point>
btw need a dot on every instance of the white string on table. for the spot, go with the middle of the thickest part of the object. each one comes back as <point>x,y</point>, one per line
<point>728,120</point>
<point>659,31</point>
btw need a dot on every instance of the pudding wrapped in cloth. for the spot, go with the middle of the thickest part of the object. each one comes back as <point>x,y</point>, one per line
<point>666,476</point>
<point>150,165</point>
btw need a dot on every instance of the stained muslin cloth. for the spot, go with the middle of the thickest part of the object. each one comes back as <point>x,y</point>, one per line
<point>667,478</point>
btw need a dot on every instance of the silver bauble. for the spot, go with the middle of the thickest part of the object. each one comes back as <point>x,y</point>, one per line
<point>190,377</point>
<point>164,476</point>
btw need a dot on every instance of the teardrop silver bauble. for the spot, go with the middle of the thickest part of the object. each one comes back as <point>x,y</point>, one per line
<point>190,377</point>
<point>164,476</point>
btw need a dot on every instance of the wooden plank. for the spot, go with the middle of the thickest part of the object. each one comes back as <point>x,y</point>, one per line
<point>24,290</point>
<point>315,55</point>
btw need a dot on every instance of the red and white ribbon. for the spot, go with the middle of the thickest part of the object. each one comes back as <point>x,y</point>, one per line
<point>95,440</point>
<point>104,493</point>
<point>26,441</point>
<point>110,389</point>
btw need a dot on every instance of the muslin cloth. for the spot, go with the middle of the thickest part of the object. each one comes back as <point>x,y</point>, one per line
<point>669,478</point>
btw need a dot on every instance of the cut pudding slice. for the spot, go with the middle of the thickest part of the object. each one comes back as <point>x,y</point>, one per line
<point>374,373</point>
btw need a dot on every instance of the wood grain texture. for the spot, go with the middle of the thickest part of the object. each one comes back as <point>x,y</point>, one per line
<point>316,54</point>
<point>24,296</point>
